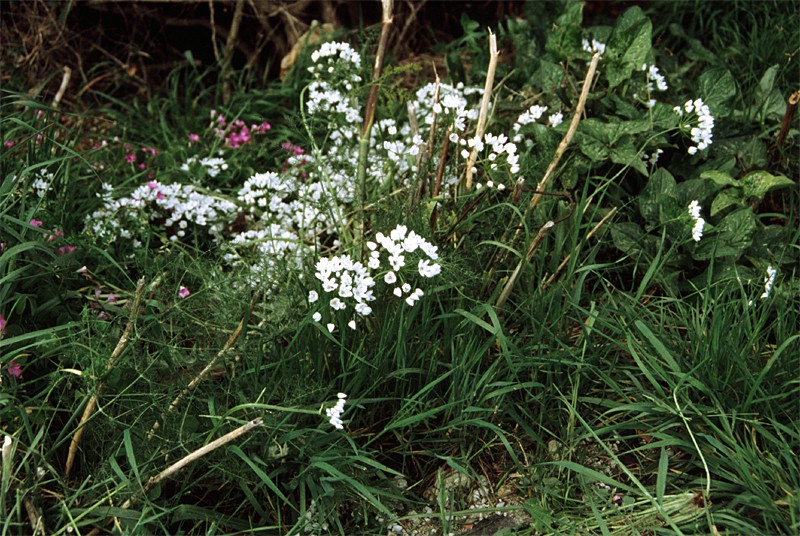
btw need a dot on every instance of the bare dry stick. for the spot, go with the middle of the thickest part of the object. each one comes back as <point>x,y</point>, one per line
<point>487,95</point>
<point>207,370</point>
<point>544,231</point>
<point>565,141</point>
<point>591,233</point>
<point>186,460</point>
<point>229,45</point>
<point>63,88</point>
<point>791,106</point>
<point>37,525</point>
<point>121,344</point>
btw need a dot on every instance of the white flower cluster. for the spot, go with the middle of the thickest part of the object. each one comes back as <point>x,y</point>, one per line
<point>499,148</point>
<point>701,133</point>
<point>593,46</point>
<point>41,185</point>
<point>213,166</point>
<point>699,222</point>
<point>453,102</point>
<point>655,81</point>
<point>335,70</point>
<point>769,280</point>
<point>175,207</point>
<point>350,281</point>
<point>531,115</point>
<point>335,413</point>
<point>652,158</point>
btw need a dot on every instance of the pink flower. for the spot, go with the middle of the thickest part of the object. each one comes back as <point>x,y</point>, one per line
<point>63,250</point>
<point>152,185</point>
<point>36,223</point>
<point>9,144</point>
<point>194,137</point>
<point>183,292</point>
<point>2,325</point>
<point>130,158</point>
<point>14,370</point>
<point>111,298</point>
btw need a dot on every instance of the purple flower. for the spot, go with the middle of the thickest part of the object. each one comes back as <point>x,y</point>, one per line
<point>9,144</point>
<point>194,137</point>
<point>14,370</point>
<point>130,158</point>
<point>183,292</point>
<point>36,223</point>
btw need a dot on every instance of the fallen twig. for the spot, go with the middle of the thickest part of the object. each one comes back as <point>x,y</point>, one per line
<point>208,368</point>
<point>90,407</point>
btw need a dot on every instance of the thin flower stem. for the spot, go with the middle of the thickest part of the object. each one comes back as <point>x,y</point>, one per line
<point>90,407</point>
<point>487,95</point>
<point>207,370</point>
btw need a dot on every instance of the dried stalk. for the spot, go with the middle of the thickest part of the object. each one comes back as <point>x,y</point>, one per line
<point>487,95</point>
<point>229,45</point>
<point>63,88</point>
<point>207,370</point>
<point>186,460</point>
<point>369,109</point>
<point>34,516</point>
<point>564,262</point>
<point>791,106</point>
<point>544,231</point>
<point>565,141</point>
<point>90,407</point>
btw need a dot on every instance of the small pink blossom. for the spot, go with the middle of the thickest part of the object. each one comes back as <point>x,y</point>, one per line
<point>152,185</point>
<point>183,292</point>
<point>130,158</point>
<point>142,166</point>
<point>63,250</point>
<point>9,144</point>
<point>111,298</point>
<point>2,325</point>
<point>36,223</point>
<point>14,370</point>
<point>194,137</point>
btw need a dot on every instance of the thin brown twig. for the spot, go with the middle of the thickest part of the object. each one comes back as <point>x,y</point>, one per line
<point>565,141</point>
<point>487,96</point>
<point>227,70</point>
<point>186,460</point>
<point>63,87</point>
<point>89,409</point>
<point>209,367</point>
<point>589,235</point>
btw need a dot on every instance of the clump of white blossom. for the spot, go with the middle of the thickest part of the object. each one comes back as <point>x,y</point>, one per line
<point>176,208</point>
<point>349,284</point>
<point>212,166</point>
<point>593,46</point>
<point>457,104</point>
<point>532,115</point>
<point>336,73</point>
<point>699,222</point>
<point>335,413</point>
<point>655,82</point>
<point>697,117</point>
<point>500,150</point>
<point>769,280</point>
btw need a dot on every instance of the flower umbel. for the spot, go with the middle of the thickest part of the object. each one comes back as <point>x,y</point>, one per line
<point>335,413</point>
<point>699,223</point>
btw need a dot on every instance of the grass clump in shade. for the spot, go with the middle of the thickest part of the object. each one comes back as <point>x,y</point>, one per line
<point>265,317</point>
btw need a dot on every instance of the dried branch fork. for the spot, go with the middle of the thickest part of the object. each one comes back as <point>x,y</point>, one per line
<point>487,96</point>
<point>90,407</point>
<point>208,368</point>
<point>540,188</point>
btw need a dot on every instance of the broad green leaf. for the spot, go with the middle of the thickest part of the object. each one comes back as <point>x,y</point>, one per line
<point>731,237</point>
<point>630,239</point>
<point>565,37</point>
<point>625,153</point>
<point>758,183</point>
<point>654,201</point>
<point>717,89</point>
<point>725,199</point>
<point>628,46</point>
<point>719,177</point>
<point>548,76</point>
<point>768,100</point>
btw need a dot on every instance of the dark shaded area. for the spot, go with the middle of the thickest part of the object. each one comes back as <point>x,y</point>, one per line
<point>133,45</point>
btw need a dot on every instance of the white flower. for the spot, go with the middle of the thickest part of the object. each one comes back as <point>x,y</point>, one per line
<point>352,324</point>
<point>699,223</point>
<point>312,296</point>
<point>390,278</point>
<point>317,316</point>
<point>426,269</point>
<point>335,413</point>
<point>555,119</point>
<point>769,280</point>
<point>331,327</point>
